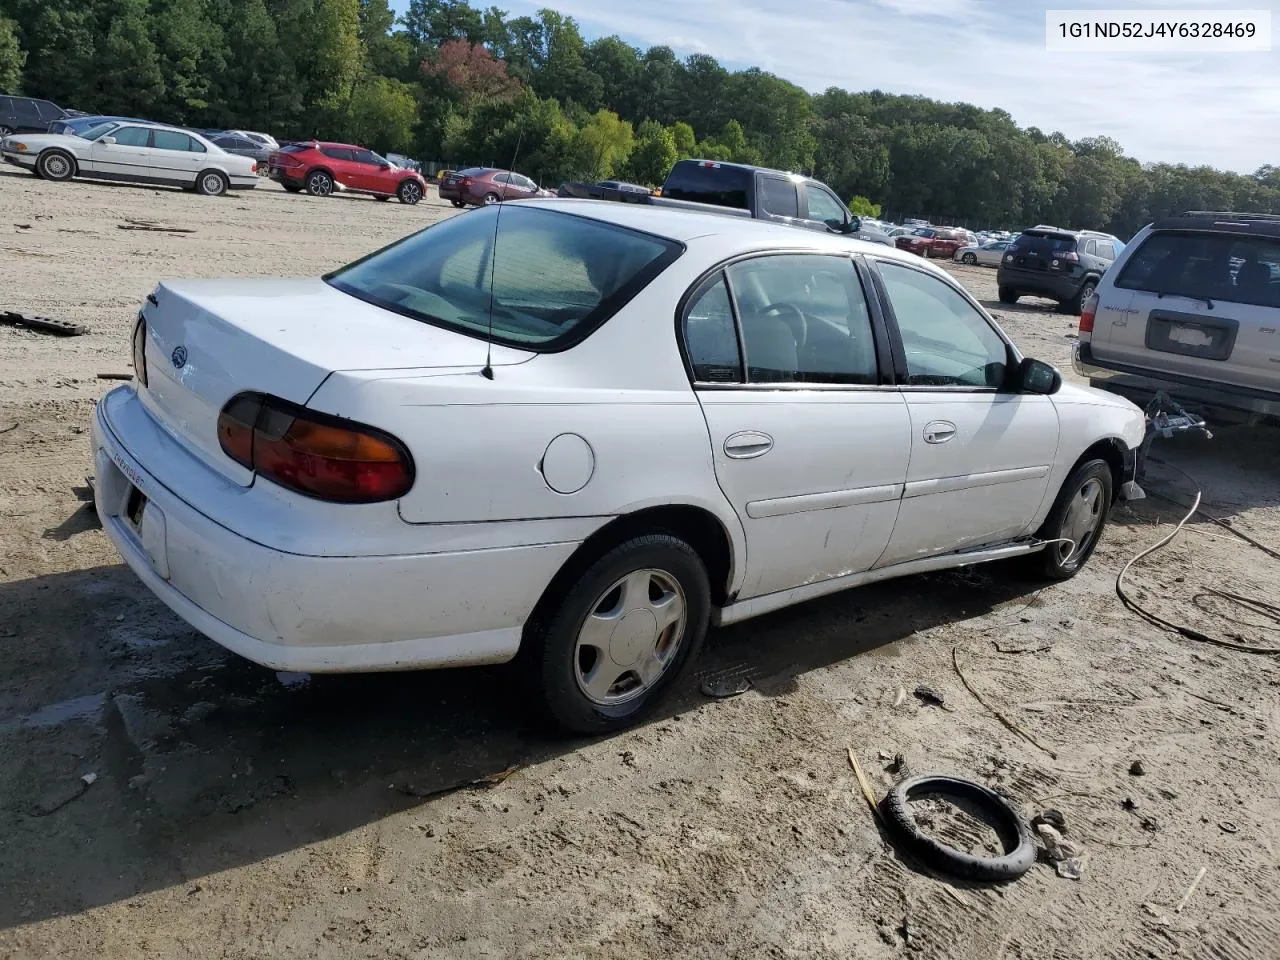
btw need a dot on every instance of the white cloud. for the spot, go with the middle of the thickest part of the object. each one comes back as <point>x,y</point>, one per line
<point>1214,108</point>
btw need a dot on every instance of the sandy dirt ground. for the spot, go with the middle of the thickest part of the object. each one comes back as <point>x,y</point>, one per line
<point>241,814</point>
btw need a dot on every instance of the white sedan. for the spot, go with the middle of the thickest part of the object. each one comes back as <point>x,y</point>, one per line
<point>133,153</point>
<point>583,446</point>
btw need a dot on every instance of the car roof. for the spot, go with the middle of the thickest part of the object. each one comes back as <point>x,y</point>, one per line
<point>732,234</point>
<point>331,143</point>
<point>1257,224</point>
<point>751,167</point>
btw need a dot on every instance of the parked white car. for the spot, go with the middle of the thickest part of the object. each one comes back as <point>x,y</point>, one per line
<point>133,153</point>
<point>988,254</point>
<point>623,423</point>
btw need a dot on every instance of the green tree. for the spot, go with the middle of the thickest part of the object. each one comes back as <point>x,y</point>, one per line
<point>382,114</point>
<point>684,139</point>
<point>603,145</point>
<point>653,155</point>
<point>12,57</point>
<point>863,207</point>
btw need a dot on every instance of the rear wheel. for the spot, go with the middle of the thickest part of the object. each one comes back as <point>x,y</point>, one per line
<point>1076,521</point>
<point>319,184</point>
<point>55,165</point>
<point>292,187</point>
<point>491,197</point>
<point>409,191</point>
<point>457,203</point>
<point>1076,303</point>
<point>621,634</point>
<point>212,183</point>
<point>1008,295</point>
<point>968,258</point>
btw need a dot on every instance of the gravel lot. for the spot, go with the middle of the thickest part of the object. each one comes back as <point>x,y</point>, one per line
<point>237,813</point>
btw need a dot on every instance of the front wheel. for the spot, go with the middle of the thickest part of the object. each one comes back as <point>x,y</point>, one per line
<point>292,187</point>
<point>621,634</point>
<point>1008,295</point>
<point>969,259</point>
<point>1076,521</point>
<point>319,184</point>
<point>409,191</point>
<point>458,203</point>
<point>5,131</point>
<point>55,165</point>
<point>211,183</point>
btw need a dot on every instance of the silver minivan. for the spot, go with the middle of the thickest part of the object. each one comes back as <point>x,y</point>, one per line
<point>1191,308</point>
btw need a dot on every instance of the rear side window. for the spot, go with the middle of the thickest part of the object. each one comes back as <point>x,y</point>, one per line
<point>25,109</point>
<point>710,336</point>
<point>336,153</point>
<point>1206,266</point>
<point>551,279</point>
<point>50,111</point>
<point>779,197</point>
<point>708,183</point>
<point>173,140</point>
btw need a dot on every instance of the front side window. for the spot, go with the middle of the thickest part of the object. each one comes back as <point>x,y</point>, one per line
<point>99,129</point>
<point>1206,266</point>
<point>550,280</point>
<point>824,207</point>
<point>131,136</point>
<point>804,319</point>
<point>779,197</point>
<point>946,340</point>
<point>710,338</point>
<point>366,156</point>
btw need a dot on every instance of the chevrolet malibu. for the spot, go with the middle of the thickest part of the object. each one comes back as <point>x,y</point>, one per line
<point>574,433</point>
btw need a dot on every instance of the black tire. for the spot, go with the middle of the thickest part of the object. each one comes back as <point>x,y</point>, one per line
<point>319,183</point>
<point>1008,295</point>
<point>56,165</point>
<point>1076,303</point>
<point>5,131</point>
<point>550,651</point>
<point>409,192</point>
<point>968,258</point>
<point>1015,835</point>
<point>1053,563</point>
<point>491,197</point>
<point>212,183</point>
<point>381,196</point>
<point>292,187</point>
<point>457,203</point>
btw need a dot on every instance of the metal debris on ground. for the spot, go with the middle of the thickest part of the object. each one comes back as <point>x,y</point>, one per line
<point>151,225</point>
<point>1052,818</point>
<point>722,684</point>
<point>1190,890</point>
<point>59,328</point>
<point>1226,826</point>
<point>1067,857</point>
<point>115,376</point>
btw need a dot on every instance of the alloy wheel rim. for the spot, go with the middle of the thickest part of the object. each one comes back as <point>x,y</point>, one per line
<point>630,637</point>
<point>412,192</point>
<point>213,184</point>
<point>321,185</point>
<point>1081,522</point>
<point>55,166</point>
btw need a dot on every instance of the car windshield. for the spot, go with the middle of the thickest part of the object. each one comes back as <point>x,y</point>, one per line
<point>551,280</point>
<point>93,133</point>
<point>1207,266</point>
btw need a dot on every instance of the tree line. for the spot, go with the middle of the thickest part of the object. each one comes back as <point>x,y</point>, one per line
<point>454,82</point>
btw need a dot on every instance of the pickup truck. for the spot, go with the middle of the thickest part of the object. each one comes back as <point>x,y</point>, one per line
<point>739,190</point>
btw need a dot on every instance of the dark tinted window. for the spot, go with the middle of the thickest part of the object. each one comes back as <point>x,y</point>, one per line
<point>710,337</point>
<point>294,148</point>
<point>1043,244</point>
<point>552,278</point>
<point>50,111</point>
<point>24,109</point>
<point>708,183</point>
<point>336,153</point>
<point>366,156</point>
<point>1206,266</point>
<point>778,197</point>
<point>6,106</point>
<point>804,320</point>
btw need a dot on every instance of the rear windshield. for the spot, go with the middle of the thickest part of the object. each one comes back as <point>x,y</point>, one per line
<point>1043,243</point>
<point>295,147</point>
<point>553,279</point>
<point>721,185</point>
<point>1207,266</point>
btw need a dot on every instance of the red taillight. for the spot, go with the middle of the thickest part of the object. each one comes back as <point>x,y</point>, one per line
<point>313,453</point>
<point>1088,310</point>
<point>465,182</point>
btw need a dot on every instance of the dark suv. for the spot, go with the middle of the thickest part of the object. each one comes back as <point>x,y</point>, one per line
<point>27,115</point>
<point>1063,265</point>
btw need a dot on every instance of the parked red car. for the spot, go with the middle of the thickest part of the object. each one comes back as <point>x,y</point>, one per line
<point>931,242</point>
<point>477,186</point>
<point>317,166</point>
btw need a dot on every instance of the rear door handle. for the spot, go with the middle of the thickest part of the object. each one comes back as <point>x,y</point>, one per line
<point>939,431</point>
<point>747,444</point>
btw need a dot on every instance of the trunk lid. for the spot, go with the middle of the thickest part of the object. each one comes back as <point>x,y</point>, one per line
<point>208,340</point>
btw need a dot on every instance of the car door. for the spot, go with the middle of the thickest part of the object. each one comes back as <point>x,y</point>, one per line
<point>808,441</point>
<point>367,174</point>
<point>341,164</point>
<point>176,158</point>
<point>822,208</point>
<point>980,454</point>
<point>522,187</point>
<point>126,157</point>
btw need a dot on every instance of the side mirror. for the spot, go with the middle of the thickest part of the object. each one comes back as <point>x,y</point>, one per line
<point>843,226</point>
<point>1036,376</point>
<point>107,140</point>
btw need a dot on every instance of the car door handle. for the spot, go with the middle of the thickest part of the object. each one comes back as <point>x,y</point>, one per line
<point>747,444</point>
<point>939,431</point>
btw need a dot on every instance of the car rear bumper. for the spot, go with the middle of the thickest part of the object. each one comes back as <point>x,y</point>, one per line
<point>1139,382</point>
<point>1056,286</point>
<point>307,613</point>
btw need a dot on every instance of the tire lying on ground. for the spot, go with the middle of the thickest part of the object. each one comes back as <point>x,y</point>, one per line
<point>1015,835</point>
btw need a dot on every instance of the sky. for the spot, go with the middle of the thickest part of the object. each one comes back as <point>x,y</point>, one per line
<point>1219,109</point>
